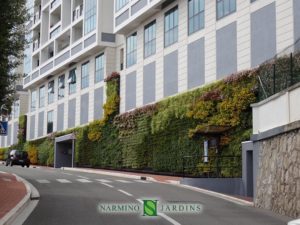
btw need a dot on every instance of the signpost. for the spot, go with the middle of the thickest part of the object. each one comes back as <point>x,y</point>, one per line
<point>3,128</point>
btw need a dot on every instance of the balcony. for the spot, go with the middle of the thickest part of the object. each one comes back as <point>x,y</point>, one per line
<point>35,45</point>
<point>54,3</point>
<point>135,12</point>
<point>55,32</point>
<point>37,17</point>
<point>77,13</point>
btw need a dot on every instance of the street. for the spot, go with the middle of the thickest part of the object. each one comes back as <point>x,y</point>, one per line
<point>72,198</point>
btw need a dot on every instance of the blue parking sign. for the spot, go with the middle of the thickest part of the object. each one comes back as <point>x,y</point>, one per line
<point>3,128</point>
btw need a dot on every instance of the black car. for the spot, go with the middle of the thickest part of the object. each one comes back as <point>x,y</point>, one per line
<point>17,157</point>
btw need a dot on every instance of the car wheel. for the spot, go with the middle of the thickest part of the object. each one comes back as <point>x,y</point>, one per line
<point>11,163</point>
<point>7,163</point>
<point>27,165</point>
<point>23,165</point>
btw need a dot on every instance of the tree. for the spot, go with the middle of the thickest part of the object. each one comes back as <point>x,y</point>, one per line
<point>13,16</point>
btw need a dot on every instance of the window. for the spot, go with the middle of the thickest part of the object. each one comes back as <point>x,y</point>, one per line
<point>85,75</point>
<point>42,97</point>
<point>131,50</point>
<point>50,122</point>
<point>90,16</point>
<point>33,101</point>
<point>150,39</point>
<point>51,92</point>
<point>120,4</point>
<point>72,81</point>
<point>16,109</point>
<point>196,15</point>
<point>61,87</point>
<point>171,27</point>
<point>225,7</point>
<point>99,68</point>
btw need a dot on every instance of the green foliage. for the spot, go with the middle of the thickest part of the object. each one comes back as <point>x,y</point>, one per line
<point>3,153</point>
<point>12,43</point>
<point>22,131</point>
<point>45,149</point>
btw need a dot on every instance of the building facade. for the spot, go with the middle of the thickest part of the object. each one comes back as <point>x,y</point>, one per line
<point>173,46</point>
<point>72,51</point>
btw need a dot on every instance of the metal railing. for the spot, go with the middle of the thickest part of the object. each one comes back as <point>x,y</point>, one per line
<point>212,166</point>
<point>279,73</point>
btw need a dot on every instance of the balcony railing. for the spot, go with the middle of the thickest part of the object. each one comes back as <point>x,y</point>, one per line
<point>55,32</point>
<point>36,44</point>
<point>77,13</point>
<point>54,3</point>
<point>37,17</point>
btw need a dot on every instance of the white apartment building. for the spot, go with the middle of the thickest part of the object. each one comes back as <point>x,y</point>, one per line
<point>72,51</point>
<point>176,45</point>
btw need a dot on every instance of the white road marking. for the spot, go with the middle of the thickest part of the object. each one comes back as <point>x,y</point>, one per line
<point>143,181</point>
<point>172,221</point>
<point>84,181</point>
<point>68,174</point>
<point>124,192</point>
<point>124,181</point>
<point>83,177</point>
<point>64,181</point>
<point>2,172</point>
<point>6,179</point>
<point>43,181</point>
<point>104,181</point>
<point>108,185</point>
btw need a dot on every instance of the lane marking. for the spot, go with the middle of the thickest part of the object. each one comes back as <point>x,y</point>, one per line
<point>169,219</point>
<point>43,181</point>
<point>124,181</point>
<point>3,172</point>
<point>64,181</point>
<point>6,179</point>
<point>83,177</point>
<point>103,180</point>
<point>108,185</point>
<point>124,192</point>
<point>84,181</point>
<point>143,181</point>
<point>68,174</point>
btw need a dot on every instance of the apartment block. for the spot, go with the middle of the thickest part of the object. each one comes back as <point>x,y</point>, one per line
<point>72,51</point>
<point>172,46</point>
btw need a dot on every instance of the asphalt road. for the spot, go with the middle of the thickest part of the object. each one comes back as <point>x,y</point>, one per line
<point>71,198</point>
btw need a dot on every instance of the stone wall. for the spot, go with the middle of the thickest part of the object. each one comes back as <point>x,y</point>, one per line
<point>278,181</point>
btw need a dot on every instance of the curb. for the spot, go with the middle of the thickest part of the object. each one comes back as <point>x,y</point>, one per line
<point>114,174</point>
<point>32,194</point>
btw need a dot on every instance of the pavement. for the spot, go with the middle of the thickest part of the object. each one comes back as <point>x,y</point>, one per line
<point>72,197</point>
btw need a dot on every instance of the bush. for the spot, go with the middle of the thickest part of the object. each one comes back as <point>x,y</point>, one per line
<point>3,153</point>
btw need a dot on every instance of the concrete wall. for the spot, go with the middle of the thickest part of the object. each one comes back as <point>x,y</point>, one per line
<point>231,186</point>
<point>278,110</point>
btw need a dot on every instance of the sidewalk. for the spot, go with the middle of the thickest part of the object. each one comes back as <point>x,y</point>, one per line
<point>12,192</point>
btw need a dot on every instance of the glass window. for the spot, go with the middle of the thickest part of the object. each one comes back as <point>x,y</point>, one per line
<point>85,75</point>
<point>150,39</point>
<point>33,101</point>
<point>61,87</point>
<point>90,16</point>
<point>171,27</point>
<point>196,15</point>
<point>50,122</point>
<point>225,7</point>
<point>16,109</point>
<point>131,50</point>
<point>72,81</point>
<point>120,4</point>
<point>51,92</point>
<point>99,68</point>
<point>42,97</point>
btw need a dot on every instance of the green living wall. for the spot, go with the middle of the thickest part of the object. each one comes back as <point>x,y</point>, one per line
<point>158,137</point>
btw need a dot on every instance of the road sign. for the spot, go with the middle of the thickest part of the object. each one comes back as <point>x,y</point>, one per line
<point>3,128</point>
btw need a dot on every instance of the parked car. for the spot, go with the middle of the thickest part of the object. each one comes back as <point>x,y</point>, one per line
<point>17,157</point>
